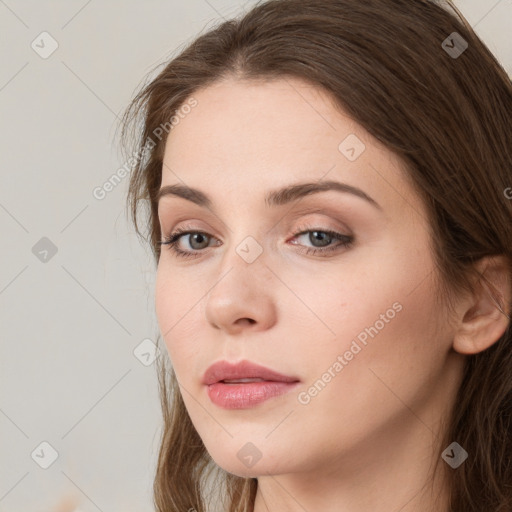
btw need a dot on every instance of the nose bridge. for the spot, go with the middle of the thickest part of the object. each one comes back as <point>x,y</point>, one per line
<point>245,237</point>
<point>243,263</point>
<point>241,291</point>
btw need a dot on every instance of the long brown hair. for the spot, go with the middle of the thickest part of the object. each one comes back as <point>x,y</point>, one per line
<point>443,106</point>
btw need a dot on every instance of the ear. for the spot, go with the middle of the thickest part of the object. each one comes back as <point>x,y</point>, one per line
<point>485,315</point>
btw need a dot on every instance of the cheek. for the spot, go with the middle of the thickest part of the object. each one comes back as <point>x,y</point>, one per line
<point>176,311</point>
<point>379,311</point>
<point>388,337</point>
<point>374,373</point>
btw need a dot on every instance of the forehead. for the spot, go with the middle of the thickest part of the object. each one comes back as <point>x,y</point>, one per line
<point>285,113</point>
<point>244,136</point>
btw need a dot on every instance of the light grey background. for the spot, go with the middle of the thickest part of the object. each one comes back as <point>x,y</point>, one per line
<point>70,324</point>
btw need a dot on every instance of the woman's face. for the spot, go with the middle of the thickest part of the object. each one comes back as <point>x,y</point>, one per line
<point>356,325</point>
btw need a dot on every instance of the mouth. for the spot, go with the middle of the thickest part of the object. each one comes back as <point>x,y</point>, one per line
<point>244,384</point>
<point>242,372</point>
<point>241,381</point>
<point>246,393</point>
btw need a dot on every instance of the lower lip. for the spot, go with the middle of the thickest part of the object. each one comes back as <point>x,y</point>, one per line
<point>245,395</point>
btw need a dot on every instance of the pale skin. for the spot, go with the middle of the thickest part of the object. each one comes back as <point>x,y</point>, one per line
<point>366,441</point>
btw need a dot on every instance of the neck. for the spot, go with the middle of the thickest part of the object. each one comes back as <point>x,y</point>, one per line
<point>390,472</point>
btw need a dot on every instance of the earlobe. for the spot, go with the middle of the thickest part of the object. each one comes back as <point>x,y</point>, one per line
<point>486,314</point>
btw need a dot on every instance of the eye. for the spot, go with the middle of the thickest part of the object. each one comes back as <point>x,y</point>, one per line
<point>324,239</point>
<point>199,240</point>
<point>195,237</point>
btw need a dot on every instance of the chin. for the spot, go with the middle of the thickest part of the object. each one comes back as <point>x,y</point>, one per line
<point>248,462</point>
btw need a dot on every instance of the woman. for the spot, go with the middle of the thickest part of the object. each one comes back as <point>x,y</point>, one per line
<point>328,210</point>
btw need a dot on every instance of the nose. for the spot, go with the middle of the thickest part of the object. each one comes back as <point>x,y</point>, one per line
<point>242,297</point>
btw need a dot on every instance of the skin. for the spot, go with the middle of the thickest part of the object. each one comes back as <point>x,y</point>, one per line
<point>366,440</point>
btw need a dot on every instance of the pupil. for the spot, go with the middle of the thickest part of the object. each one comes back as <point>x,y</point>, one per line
<point>194,238</point>
<point>320,236</point>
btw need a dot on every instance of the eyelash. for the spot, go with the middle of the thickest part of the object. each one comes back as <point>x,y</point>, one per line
<point>173,239</point>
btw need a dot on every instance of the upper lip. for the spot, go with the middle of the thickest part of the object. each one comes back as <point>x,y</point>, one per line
<point>242,370</point>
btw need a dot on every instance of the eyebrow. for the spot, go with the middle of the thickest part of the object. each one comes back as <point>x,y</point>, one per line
<point>273,198</point>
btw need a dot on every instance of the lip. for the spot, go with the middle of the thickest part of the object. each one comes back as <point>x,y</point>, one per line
<point>244,395</point>
<point>223,370</point>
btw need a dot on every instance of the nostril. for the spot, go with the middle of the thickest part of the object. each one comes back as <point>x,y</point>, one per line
<point>248,320</point>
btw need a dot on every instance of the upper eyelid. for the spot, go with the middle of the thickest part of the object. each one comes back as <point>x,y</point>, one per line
<point>294,210</point>
<point>293,218</point>
<point>301,228</point>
